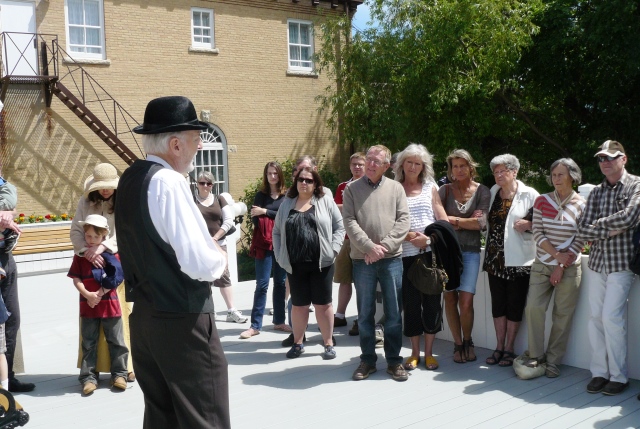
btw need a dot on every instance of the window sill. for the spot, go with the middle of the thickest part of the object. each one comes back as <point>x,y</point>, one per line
<point>302,73</point>
<point>214,51</point>
<point>69,60</point>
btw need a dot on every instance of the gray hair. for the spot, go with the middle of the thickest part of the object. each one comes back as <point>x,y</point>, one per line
<point>311,159</point>
<point>421,152</point>
<point>158,144</point>
<point>206,175</point>
<point>574,170</point>
<point>509,161</point>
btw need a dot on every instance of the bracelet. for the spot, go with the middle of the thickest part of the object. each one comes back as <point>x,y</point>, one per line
<point>458,222</point>
<point>562,266</point>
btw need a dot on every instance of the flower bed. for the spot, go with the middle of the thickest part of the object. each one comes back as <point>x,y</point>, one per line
<point>33,218</point>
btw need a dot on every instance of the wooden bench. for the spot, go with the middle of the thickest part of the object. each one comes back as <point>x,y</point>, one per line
<point>52,238</point>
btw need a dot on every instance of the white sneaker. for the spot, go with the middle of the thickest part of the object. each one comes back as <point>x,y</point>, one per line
<point>236,316</point>
<point>379,330</point>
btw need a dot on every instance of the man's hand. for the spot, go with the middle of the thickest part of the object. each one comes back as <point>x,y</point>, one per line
<point>614,233</point>
<point>6,219</point>
<point>556,275</point>
<point>375,254</point>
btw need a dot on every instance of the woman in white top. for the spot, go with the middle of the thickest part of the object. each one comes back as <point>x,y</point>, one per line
<point>422,313</point>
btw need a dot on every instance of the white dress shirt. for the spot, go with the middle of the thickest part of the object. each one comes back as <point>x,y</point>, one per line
<point>180,224</point>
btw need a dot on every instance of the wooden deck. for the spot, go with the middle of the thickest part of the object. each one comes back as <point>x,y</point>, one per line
<point>268,391</point>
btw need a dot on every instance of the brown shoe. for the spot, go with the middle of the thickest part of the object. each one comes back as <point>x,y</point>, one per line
<point>119,383</point>
<point>249,333</point>
<point>89,387</point>
<point>131,377</point>
<point>596,384</point>
<point>354,331</point>
<point>614,388</point>
<point>339,322</point>
<point>397,372</point>
<point>363,371</point>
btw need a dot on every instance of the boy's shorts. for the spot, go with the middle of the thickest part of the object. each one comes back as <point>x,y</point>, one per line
<point>344,266</point>
<point>3,341</point>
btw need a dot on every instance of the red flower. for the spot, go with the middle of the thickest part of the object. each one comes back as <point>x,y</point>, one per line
<point>48,216</point>
<point>21,215</point>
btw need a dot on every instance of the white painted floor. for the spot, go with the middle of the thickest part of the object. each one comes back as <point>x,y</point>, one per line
<point>269,391</point>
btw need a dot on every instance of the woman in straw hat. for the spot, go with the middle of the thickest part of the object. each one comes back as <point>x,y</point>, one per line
<point>99,198</point>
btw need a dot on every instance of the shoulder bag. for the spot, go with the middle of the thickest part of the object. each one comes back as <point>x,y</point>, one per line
<point>428,279</point>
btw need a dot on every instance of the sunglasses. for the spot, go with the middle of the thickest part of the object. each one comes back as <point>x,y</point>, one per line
<point>205,183</point>
<point>603,158</point>
<point>307,181</point>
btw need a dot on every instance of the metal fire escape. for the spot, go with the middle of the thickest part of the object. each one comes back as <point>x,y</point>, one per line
<point>34,58</point>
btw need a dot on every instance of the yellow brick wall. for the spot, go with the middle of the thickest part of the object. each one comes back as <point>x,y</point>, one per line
<point>263,112</point>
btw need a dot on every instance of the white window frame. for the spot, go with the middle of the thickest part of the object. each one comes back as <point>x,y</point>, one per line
<point>215,142</point>
<point>88,55</point>
<point>310,68</point>
<point>194,44</point>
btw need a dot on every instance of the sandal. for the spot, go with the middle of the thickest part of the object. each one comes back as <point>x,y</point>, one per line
<point>431,363</point>
<point>469,350</point>
<point>411,363</point>
<point>507,359</point>
<point>458,348</point>
<point>535,362</point>
<point>495,357</point>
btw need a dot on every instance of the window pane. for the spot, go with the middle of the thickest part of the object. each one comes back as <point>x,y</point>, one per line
<point>205,157</point>
<point>196,18</point>
<point>198,160</point>
<point>205,20</point>
<point>74,10</point>
<point>76,35</point>
<point>93,36</point>
<point>92,12</point>
<point>305,53</point>
<point>206,32</point>
<point>305,31</point>
<point>94,50</point>
<point>294,31</point>
<point>294,52</point>
<point>197,31</point>
<point>77,49</point>
<point>206,40</point>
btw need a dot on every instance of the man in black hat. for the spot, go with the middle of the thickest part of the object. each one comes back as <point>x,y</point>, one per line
<point>609,220</point>
<point>169,260</point>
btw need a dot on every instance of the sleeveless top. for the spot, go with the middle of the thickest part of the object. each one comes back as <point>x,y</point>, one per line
<point>421,214</point>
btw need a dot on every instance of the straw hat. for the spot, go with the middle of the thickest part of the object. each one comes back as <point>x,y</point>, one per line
<point>105,176</point>
<point>96,220</point>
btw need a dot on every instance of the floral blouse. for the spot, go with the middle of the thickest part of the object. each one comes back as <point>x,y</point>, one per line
<point>494,252</point>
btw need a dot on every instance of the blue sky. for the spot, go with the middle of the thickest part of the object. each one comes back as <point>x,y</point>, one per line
<point>362,17</point>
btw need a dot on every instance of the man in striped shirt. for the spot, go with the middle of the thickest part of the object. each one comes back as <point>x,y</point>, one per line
<point>612,213</point>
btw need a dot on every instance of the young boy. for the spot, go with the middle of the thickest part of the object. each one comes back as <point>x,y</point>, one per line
<point>99,305</point>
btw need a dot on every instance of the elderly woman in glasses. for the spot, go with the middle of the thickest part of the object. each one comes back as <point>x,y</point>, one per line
<point>510,250</point>
<point>307,237</point>
<point>556,267</point>
<point>218,216</point>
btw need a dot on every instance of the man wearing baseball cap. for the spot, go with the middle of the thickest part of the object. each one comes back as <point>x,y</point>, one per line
<point>609,220</point>
<point>169,261</point>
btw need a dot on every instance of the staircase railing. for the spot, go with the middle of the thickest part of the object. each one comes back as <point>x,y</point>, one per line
<point>51,71</point>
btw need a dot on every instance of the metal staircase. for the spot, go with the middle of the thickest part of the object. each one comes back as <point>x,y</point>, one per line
<point>34,58</point>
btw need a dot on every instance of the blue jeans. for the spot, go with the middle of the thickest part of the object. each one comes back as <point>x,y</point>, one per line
<point>263,273</point>
<point>469,278</point>
<point>387,272</point>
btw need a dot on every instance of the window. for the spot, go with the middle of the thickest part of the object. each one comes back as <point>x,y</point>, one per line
<point>213,157</point>
<point>300,45</point>
<point>85,28</point>
<point>202,28</point>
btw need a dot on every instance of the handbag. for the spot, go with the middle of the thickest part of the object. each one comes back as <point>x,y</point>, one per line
<point>428,279</point>
<point>634,262</point>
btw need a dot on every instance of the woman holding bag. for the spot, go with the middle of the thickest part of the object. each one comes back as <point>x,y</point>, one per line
<point>422,313</point>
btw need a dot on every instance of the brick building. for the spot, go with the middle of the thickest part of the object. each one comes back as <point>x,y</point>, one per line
<point>244,63</point>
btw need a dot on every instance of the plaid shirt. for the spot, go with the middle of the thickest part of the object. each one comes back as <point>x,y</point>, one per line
<point>611,208</point>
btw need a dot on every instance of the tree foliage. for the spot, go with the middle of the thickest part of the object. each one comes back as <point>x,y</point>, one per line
<point>541,79</point>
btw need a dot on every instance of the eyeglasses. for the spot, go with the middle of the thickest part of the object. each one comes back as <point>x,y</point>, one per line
<point>605,158</point>
<point>205,184</point>
<point>376,162</point>
<point>500,173</point>
<point>303,180</point>
<point>357,165</point>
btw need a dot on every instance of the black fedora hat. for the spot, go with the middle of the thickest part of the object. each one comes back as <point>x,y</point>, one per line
<point>167,114</point>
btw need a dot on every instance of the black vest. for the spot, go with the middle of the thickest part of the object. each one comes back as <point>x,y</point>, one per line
<point>151,270</point>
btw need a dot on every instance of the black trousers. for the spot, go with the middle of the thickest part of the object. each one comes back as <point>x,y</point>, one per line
<point>9,289</point>
<point>181,368</point>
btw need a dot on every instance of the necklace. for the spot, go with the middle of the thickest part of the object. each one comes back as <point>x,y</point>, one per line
<point>204,200</point>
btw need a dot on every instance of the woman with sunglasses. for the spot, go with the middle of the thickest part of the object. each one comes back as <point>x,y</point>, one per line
<point>263,213</point>
<point>218,216</point>
<point>307,237</point>
<point>510,251</point>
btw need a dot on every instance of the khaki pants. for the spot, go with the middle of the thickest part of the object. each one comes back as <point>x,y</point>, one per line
<point>564,305</point>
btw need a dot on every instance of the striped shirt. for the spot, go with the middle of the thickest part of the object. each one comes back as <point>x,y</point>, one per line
<point>421,214</point>
<point>611,208</point>
<point>557,224</point>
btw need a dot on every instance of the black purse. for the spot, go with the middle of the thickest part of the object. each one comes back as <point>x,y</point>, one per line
<point>428,279</point>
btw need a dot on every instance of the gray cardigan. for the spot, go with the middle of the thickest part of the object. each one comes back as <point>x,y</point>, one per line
<point>330,230</point>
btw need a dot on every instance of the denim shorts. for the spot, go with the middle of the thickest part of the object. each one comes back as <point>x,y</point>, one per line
<point>469,277</point>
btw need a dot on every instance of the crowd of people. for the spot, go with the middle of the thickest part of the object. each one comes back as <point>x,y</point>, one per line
<point>170,249</point>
